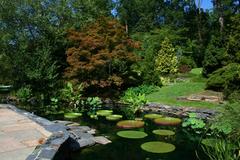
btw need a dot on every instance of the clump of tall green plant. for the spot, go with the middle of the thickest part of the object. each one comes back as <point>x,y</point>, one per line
<point>72,95</point>
<point>92,104</point>
<point>24,93</point>
<point>226,129</point>
<point>135,101</point>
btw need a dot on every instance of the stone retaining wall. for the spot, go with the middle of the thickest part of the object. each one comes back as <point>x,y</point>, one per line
<point>179,111</point>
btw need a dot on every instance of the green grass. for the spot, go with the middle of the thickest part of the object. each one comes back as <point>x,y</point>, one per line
<point>168,94</point>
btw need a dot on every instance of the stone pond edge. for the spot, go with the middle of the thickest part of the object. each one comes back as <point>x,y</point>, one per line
<point>49,149</point>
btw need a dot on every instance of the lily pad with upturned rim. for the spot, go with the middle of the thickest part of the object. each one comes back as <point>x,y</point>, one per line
<point>158,147</point>
<point>163,132</point>
<point>168,121</point>
<point>128,124</point>
<point>114,117</point>
<point>72,115</point>
<point>104,112</point>
<point>132,134</point>
<point>152,116</point>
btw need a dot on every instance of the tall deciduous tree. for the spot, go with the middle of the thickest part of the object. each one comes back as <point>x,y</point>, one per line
<point>101,55</point>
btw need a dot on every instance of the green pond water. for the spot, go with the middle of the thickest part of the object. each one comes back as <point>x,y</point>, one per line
<point>130,149</point>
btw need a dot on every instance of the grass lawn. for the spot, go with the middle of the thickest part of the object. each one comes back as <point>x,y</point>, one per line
<point>195,83</point>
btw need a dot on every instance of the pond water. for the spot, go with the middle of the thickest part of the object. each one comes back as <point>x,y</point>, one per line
<point>130,149</point>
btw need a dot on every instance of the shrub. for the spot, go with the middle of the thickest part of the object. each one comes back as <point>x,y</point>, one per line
<point>226,79</point>
<point>24,93</point>
<point>72,95</point>
<point>135,102</point>
<point>186,64</point>
<point>166,60</point>
<point>215,56</point>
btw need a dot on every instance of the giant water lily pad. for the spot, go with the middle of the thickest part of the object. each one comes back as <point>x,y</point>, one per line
<point>163,132</point>
<point>128,124</point>
<point>158,147</point>
<point>152,116</point>
<point>114,117</point>
<point>132,134</point>
<point>104,112</point>
<point>168,121</point>
<point>72,115</point>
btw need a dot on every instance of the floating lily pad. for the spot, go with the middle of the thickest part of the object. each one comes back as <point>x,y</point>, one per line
<point>127,124</point>
<point>132,134</point>
<point>152,116</point>
<point>72,115</point>
<point>93,116</point>
<point>138,119</point>
<point>168,121</point>
<point>114,117</point>
<point>163,132</point>
<point>104,112</point>
<point>158,147</point>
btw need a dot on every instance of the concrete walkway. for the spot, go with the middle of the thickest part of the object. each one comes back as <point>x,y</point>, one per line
<point>19,135</point>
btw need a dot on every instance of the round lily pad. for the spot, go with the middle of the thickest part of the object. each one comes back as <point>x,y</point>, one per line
<point>158,147</point>
<point>93,116</point>
<point>168,121</point>
<point>104,112</point>
<point>152,116</point>
<point>114,117</point>
<point>138,119</point>
<point>163,132</point>
<point>128,124</point>
<point>132,134</point>
<point>72,115</point>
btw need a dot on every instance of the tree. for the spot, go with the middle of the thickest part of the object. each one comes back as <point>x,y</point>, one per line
<point>166,60</point>
<point>101,55</point>
<point>33,36</point>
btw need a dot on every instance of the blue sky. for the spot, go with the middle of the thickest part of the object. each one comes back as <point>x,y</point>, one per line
<point>206,4</point>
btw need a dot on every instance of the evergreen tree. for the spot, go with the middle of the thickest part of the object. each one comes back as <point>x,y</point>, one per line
<point>166,60</point>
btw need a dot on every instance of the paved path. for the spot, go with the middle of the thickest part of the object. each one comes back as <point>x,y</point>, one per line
<point>19,135</point>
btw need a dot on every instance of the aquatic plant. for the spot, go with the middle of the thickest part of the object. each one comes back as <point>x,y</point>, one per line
<point>104,112</point>
<point>132,134</point>
<point>152,116</point>
<point>168,121</point>
<point>163,132</point>
<point>128,124</point>
<point>72,115</point>
<point>193,122</point>
<point>158,147</point>
<point>114,117</point>
<point>221,149</point>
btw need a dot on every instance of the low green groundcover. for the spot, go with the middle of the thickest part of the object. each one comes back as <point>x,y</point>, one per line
<point>72,115</point>
<point>104,112</point>
<point>132,134</point>
<point>168,121</point>
<point>114,117</point>
<point>158,147</point>
<point>152,116</point>
<point>128,124</point>
<point>163,132</point>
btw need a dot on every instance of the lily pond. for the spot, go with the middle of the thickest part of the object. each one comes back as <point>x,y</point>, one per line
<point>149,137</point>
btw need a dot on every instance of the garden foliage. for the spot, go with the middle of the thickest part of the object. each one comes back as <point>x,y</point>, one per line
<point>101,55</point>
<point>166,61</point>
